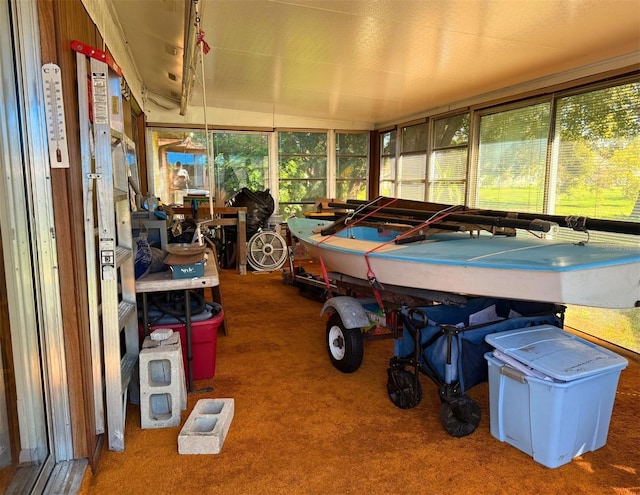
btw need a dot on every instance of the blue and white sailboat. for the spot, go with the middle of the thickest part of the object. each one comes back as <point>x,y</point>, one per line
<point>475,263</point>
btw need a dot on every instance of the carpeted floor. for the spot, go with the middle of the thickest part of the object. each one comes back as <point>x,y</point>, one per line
<point>302,427</point>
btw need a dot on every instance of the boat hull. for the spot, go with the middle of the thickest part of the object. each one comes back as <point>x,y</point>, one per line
<point>595,275</point>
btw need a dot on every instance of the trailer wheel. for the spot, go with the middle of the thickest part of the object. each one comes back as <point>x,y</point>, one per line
<point>460,417</point>
<point>344,345</point>
<point>403,389</point>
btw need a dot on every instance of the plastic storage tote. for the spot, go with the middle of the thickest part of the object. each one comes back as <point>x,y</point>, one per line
<point>554,399</point>
<point>204,338</point>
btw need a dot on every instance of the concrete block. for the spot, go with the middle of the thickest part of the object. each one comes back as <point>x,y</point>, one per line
<point>163,393</point>
<point>161,333</point>
<point>207,426</point>
<point>169,340</point>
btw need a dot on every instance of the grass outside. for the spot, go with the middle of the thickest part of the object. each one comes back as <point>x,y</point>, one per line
<point>619,327</point>
<point>612,204</point>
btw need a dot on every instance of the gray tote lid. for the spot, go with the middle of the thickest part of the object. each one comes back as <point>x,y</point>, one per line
<point>556,353</point>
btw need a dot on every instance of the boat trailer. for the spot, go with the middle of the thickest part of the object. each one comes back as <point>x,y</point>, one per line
<point>437,334</point>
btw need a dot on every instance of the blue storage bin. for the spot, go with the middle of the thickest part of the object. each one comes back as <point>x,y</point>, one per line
<point>565,409</point>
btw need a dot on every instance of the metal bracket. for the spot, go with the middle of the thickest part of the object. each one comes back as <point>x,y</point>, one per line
<point>97,54</point>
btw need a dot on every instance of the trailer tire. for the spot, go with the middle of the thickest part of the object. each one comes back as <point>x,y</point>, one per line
<point>460,417</point>
<point>344,345</point>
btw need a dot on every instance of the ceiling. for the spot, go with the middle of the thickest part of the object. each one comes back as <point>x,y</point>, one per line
<point>367,61</point>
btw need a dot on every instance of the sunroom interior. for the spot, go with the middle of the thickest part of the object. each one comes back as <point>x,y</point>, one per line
<point>515,106</point>
<point>491,106</point>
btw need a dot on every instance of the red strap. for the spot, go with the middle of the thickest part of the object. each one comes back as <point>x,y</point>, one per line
<point>371,276</point>
<point>205,45</point>
<point>325,274</point>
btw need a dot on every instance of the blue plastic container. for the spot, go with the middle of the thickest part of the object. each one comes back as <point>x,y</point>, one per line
<point>563,415</point>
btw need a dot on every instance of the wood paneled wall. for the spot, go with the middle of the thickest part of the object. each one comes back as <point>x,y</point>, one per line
<point>60,23</point>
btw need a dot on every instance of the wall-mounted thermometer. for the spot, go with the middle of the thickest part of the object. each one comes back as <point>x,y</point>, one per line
<point>54,107</point>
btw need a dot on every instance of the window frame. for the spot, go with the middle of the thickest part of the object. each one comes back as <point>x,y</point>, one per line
<point>329,145</point>
<point>392,156</point>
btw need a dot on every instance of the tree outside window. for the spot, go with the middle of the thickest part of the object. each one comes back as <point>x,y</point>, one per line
<point>302,171</point>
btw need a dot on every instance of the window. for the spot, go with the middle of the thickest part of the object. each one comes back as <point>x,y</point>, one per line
<point>307,167</point>
<point>388,163</point>
<point>302,171</point>
<point>595,166</point>
<point>448,164</point>
<point>444,177</point>
<point>413,163</point>
<point>241,160</point>
<point>179,164</point>
<point>512,155</point>
<point>352,161</point>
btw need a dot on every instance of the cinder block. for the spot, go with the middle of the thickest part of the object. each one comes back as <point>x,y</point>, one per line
<point>162,383</point>
<point>206,428</point>
<point>161,337</point>
<point>161,333</point>
<point>164,344</point>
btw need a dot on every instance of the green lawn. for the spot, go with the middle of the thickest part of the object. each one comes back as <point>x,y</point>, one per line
<point>612,204</point>
<point>620,327</point>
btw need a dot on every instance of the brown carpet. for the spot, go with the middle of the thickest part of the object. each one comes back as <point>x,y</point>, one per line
<point>302,427</point>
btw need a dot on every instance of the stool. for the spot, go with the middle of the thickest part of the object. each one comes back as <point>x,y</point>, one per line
<point>163,392</point>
